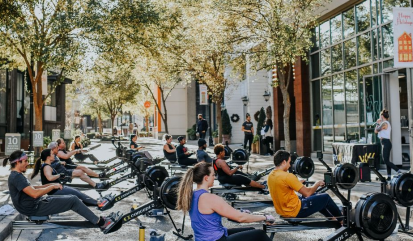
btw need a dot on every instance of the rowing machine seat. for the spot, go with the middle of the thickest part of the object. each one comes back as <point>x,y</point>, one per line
<point>38,219</point>
<point>228,186</point>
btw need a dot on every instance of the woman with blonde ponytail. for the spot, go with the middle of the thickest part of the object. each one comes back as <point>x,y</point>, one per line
<point>206,209</point>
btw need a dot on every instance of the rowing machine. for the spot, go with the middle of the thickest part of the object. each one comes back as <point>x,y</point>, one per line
<point>230,191</point>
<point>163,197</point>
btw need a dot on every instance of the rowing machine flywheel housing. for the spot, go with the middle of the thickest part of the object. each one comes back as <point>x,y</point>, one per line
<point>376,215</point>
<point>154,174</point>
<point>129,153</point>
<point>143,163</point>
<point>401,189</point>
<point>346,175</point>
<point>227,152</point>
<point>303,166</point>
<point>240,156</point>
<point>169,192</point>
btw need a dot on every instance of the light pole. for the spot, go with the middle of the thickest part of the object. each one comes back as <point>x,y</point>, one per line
<point>211,142</point>
<point>267,95</point>
<point>245,102</point>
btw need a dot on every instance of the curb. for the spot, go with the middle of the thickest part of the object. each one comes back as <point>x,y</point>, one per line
<point>6,224</point>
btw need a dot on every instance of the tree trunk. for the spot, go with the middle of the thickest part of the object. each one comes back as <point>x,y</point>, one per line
<point>219,121</point>
<point>286,117</point>
<point>165,115</point>
<point>38,113</point>
<point>113,123</point>
<point>100,128</point>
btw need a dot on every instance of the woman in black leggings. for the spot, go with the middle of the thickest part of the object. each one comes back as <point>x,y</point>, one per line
<point>231,176</point>
<point>206,210</point>
<point>49,175</point>
<point>383,130</point>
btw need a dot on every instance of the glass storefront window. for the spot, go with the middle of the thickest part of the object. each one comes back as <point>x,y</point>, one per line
<point>339,134</point>
<point>364,48</point>
<point>349,24</point>
<point>363,16</point>
<point>336,32</point>
<point>327,101</point>
<point>316,97</point>
<point>337,58</point>
<point>351,97</point>
<point>353,133</point>
<point>362,72</point>
<point>315,65</point>
<point>3,95</point>
<point>325,34</point>
<point>328,139</point>
<point>338,99</point>
<point>387,8</point>
<point>350,53</point>
<point>387,31</point>
<point>325,62</point>
<point>375,46</point>
<point>375,7</point>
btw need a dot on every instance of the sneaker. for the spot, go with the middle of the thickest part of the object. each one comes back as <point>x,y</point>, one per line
<point>388,178</point>
<point>112,223</point>
<point>101,185</point>
<point>102,174</point>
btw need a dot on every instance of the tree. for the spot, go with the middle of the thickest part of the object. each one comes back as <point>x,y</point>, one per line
<point>278,32</point>
<point>44,35</point>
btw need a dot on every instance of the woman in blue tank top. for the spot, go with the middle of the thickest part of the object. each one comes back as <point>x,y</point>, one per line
<point>206,209</point>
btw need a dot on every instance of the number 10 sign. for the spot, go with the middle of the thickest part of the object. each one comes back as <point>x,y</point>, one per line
<point>37,138</point>
<point>12,143</point>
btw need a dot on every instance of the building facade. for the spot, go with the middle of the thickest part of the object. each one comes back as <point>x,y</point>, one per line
<point>352,77</point>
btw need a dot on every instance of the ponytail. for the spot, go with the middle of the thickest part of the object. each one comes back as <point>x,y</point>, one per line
<point>185,191</point>
<point>195,174</point>
<point>36,168</point>
<point>5,161</point>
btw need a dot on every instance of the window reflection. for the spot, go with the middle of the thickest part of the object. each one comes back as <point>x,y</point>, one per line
<point>336,32</point>
<point>375,7</point>
<point>325,34</point>
<point>387,31</point>
<point>363,16</point>
<point>337,57</point>
<point>328,139</point>
<point>325,62</point>
<point>349,26</point>
<point>387,8</point>
<point>315,65</point>
<point>362,72</point>
<point>351,97</point>
<point>3,81</point>
<point>338,95</point>
<point>350,53</point>
<point>339,134</point>
<point>327,102</point>
<point>364,48</point>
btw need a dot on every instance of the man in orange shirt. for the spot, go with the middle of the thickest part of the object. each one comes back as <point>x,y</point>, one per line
<point>283,185</point>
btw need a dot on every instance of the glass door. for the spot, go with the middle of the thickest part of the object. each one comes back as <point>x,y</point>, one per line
<point>373,104</point>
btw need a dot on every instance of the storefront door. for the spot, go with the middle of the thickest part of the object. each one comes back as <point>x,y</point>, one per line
<point>373,104</point>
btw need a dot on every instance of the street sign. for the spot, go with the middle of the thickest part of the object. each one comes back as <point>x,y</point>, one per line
<point>37,138</point>
<point>12,143</point>
<point>55,134</point>
<point>147,104</point>
<point>67,134</point>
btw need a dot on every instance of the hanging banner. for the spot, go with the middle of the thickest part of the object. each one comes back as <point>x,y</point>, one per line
<point>203,95</point>
<point>402,32</point>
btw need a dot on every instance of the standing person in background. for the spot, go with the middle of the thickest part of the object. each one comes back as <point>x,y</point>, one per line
<point>248,129</point>
<point>201,127</point>
<point>383,130</point>
<point>269,139</point>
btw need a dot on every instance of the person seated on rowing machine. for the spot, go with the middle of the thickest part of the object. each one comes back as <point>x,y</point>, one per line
<point>182,153</point>
<point>49,175</point>
<point>287,204</point>
<point>81,156</point>
<point>206,210</point>
<point>64,157</point>
<point>232,176</point>
<point>133,145</point>
<point>62,167</point>
<point>169,150</point>
<point>201,154</point>
<point>31,200</point>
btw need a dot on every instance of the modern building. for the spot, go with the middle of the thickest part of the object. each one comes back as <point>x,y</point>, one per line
<point>351,78</point>
<point>15,106</point>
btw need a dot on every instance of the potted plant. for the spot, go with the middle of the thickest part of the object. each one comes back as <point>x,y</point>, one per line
<point>215,136</point>
<point>226,127</point>
<point>191,133</point>
<point>255,144</point>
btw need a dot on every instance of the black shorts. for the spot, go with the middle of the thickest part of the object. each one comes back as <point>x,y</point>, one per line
<point>238,178</point>
<point>69,172</point>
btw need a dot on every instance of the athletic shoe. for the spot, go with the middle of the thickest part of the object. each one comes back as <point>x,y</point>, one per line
<point>388,178</point>
<point>102,174</point>
<point>399,172</point>
<point>101,185</point>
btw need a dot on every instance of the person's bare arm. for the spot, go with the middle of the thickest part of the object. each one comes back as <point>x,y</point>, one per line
<point>225,168</point>
<point>308,191</point>
<point>218,205</point>
<point>48,172</point>
<point>72,147</point>
<point>63,155</point>
<point>38,192</point>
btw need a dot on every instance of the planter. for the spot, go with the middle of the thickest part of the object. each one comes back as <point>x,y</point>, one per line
<point>215,140</point>
<point>255,147</point>
<point>192,137</point>
<point>226,138</point>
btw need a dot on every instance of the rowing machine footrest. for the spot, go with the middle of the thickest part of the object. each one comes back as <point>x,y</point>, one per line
<point>38,218</point>
<point>292,220</point>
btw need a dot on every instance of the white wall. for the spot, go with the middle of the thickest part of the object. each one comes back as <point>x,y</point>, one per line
<point>176,104</point>
<point>254,87</point>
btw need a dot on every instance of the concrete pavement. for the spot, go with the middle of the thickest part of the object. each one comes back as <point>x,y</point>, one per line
<point>162,224</point>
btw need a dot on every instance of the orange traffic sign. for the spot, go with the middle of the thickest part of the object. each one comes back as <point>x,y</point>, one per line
<point>147,104</point>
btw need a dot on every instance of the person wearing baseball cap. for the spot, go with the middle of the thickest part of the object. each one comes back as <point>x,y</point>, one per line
<point>201,154</point>
<point>182,153</point>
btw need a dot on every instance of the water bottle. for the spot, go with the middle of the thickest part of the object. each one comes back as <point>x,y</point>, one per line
<point>141,232</point>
